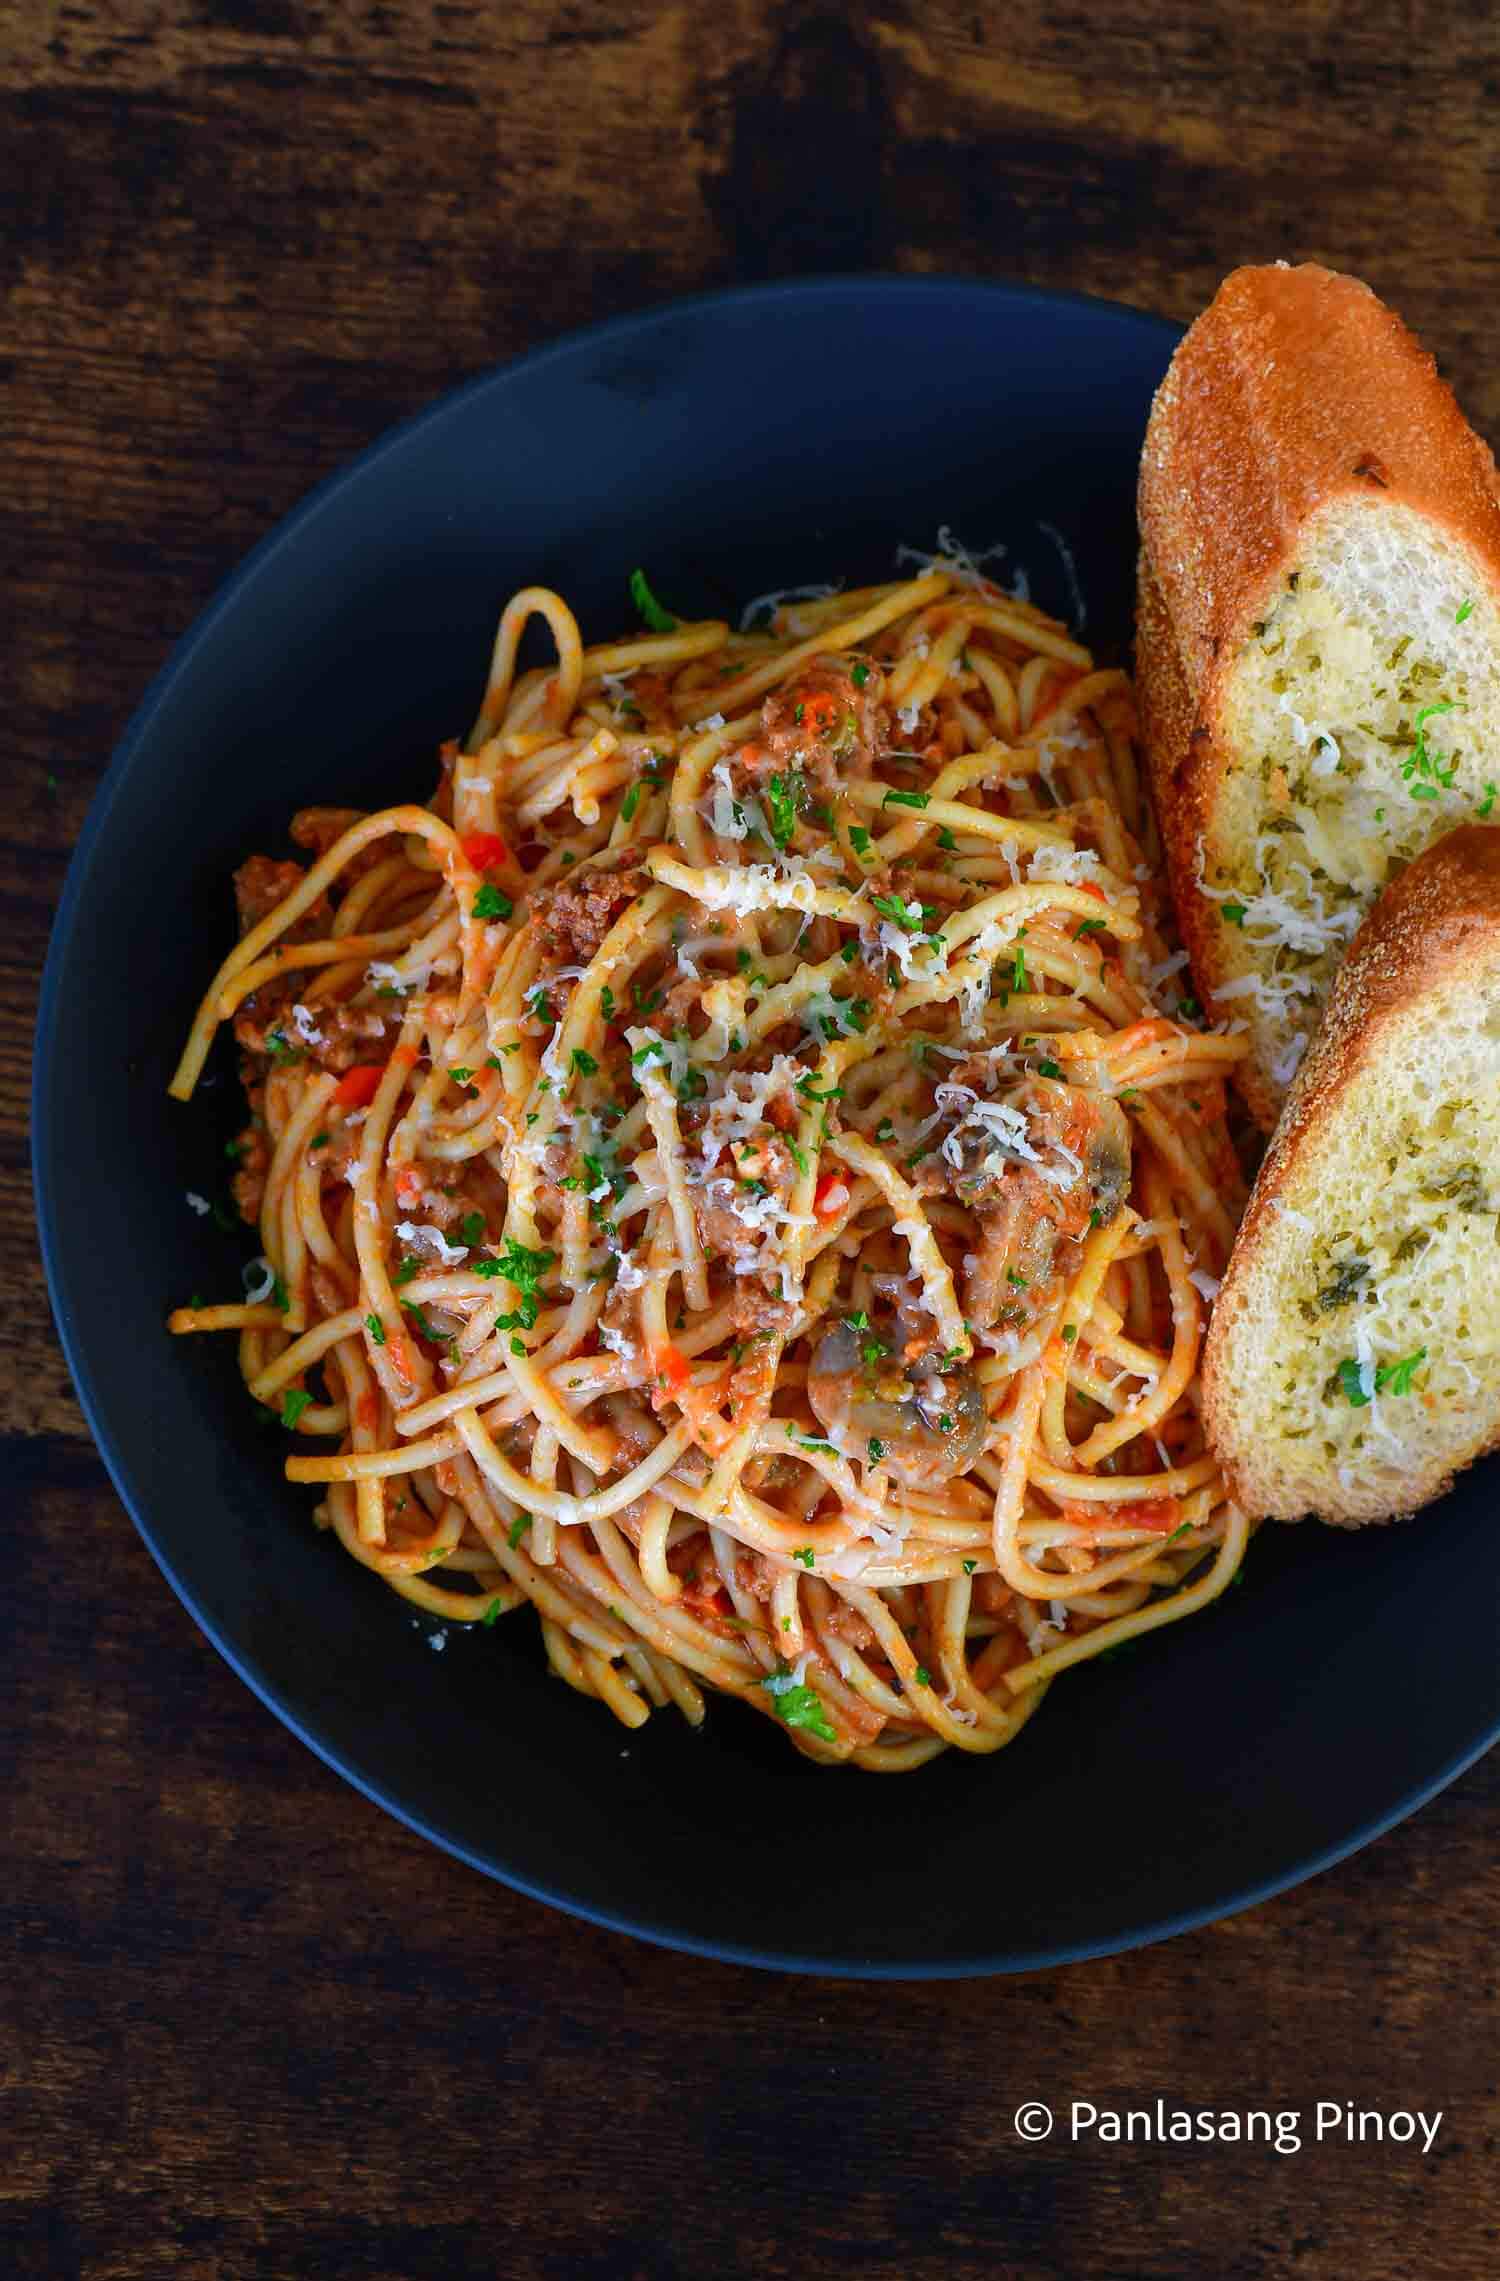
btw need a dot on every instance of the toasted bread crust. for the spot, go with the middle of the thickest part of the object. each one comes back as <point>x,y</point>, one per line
<point>1177,741</point>
<point>1295,389</point>
<point>1438,922</point>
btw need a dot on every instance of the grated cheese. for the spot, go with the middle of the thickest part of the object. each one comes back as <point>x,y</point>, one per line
<point>1066,866</point>
<point>419,1237</point>
<point>773,601</point>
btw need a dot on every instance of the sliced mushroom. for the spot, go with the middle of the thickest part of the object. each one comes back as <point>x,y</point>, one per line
<point>929,1424</point>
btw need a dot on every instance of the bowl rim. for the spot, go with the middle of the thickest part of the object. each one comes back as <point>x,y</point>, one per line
<point>1017,295</point>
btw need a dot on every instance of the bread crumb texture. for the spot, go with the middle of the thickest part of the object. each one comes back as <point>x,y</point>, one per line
<point>1361,724</point>
<point>1354,1362</point>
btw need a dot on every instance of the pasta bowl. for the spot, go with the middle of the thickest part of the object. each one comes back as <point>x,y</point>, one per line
<point>738,444</point>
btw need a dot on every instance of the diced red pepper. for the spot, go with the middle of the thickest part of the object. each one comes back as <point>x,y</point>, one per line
<point>830,1196</point>
<point>671,1368</point>
<point>820,712</point>
<point>1161,1514</point>
<point>484,850</point>
<point>358,1086</point>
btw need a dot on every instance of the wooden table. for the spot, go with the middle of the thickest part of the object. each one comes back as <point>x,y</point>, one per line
<point>251,2027</point>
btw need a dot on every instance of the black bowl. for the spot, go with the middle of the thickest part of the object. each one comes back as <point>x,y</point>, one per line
<point>731,445</point>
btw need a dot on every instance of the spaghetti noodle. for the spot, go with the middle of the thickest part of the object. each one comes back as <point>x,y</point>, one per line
<point>735,1171</point>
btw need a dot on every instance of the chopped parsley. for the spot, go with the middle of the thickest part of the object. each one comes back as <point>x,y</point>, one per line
<point>1390,1378</point>
<point>376,1329</point>
<point>495,1609</point>
<point>969,1567</point>
<point>1422,771</point>
<point>891,907</point>
<point>859,675</point>
<point>1396,1377</point>
<point>1089,927</point>
<point>293,1402</point>
<point>1348,1275</point>
<point>1485,805</point>
<point>1463,611</point>
<point>1233,914</point>
<point>874,1450</point>
<point>409,1267</point>
<point>905,800</point>
<point>524,1270</point>
<point>797,1706</point>
<point>584,1063</point>
<point>1049,1069</point>
<point>489,903</point>
<point>784,793</point>
<point>805,1554</point>
<point>859,839</point>
<point>659,620</point>
<point>518,1528</point>
<point>922,1675</point>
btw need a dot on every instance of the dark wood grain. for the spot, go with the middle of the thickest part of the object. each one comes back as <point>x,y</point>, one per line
<point>248,2026</point>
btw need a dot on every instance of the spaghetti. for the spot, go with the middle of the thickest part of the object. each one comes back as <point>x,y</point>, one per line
<point>735,1170</point>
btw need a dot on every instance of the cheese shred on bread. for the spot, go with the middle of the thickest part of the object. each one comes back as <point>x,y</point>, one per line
<point>1353,1359</point>
<point>1318,652</point>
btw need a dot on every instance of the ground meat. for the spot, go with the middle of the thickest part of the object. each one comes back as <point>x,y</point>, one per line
<point>1009,1276</point>
<point>847,1623</point>
<point>755,1574</point>
<point>575,916</point>
<point>317,828</point>
<point>824,725</point>
<point>647,703</point>
<point>347,1034</point>
<point>722,1234</point>
<point>722,1231</point>
<point>637,1437</point>
<point>248,1186</point>
<point>993,1596</point>
<point>753,1311</point>
<point>1023,1219</point>
<point>681,1002</point>
<point>260,884</point>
